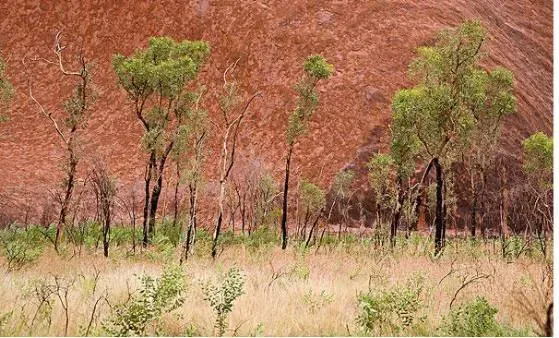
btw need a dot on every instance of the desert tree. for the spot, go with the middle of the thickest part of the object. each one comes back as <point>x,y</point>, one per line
<point>105,191</point>
<point>233,111</point>
<point>382,178</point>
<point>341,195</point>
<point>156,79</point>
<point>69,124</point>
<point>316,68</point>
<point>189,156</point>
<point>538,167</point>
<point>313,200</point>
<point>436,117</point>
<point>490,98</point>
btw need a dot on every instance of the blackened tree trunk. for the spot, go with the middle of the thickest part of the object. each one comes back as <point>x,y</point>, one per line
<point>439,213</point>
<point>397,214</point>
<point>107,232</point>
<point>146,221</point>
<point>189,241</point>
<point>473,215</point>
<point>72,164</point>
<point>157,189</point>
<point>284,235</point>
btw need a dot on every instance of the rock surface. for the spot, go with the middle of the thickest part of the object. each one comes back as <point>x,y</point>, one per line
<point>369,42</point>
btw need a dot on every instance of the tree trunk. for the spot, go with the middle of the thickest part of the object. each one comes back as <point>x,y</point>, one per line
<point>219,217</point>
<point>397,214</point>
<point>73,162</point>
<point>157,190</point>
<point>313,227</point>
<point>146,220</point>
<point>473,214</point>
<point>439,214</point>
<point>284,235</point>
<point>176,199</point>
<point>107,232</point>
<point>189,240</point>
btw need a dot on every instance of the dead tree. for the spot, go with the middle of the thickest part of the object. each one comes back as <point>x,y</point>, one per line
<point>76,107</point>
<point>229,141</point>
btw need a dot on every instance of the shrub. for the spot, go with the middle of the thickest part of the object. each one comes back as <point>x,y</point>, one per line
<point>391,311</point>
<point>474,319</point>
<point>21,247</point>
<point>172,232</point>
<point>221,296</point>
<point>155,298</point>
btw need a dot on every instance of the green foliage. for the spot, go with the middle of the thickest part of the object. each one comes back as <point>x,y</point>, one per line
<point>391,311</point>
<point>155,298</point>
<point>382,179</point>
<point>342,183</point>
<point>538,159</point>
<point>222,295</point>
<point>161,71</point>
<point>452,100</point>
<point>316,68</point>
<point>312,197</point>
<point>21,247</point>
<point>474,319</point>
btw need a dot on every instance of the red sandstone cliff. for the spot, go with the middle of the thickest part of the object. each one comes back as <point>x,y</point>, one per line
<point>369,42</point>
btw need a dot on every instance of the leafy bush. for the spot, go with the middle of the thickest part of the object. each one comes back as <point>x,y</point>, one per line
<point>391,311</point>
<point>172,232</point>
<point>21,247</point>
<point>221,296</point>
<point>476,319</point>
<point>155,298</point>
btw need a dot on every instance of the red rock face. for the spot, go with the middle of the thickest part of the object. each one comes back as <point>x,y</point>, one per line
<point>369,42</point>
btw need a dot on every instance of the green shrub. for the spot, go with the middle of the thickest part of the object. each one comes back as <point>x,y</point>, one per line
<point>173,233</point>
<point>391,311</point>
<point>155,298</point>
<point>21,247</point>
<point>222,295</point>
<point>474,319</point>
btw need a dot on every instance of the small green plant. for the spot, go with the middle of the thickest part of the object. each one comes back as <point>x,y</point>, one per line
<point>155,298</point>
<point>391,311</point>
<point>222,295</point>
<point>19,253</point>
<point>474,319</point>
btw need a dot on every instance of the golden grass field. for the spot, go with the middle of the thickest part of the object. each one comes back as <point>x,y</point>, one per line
<point>286,293</point>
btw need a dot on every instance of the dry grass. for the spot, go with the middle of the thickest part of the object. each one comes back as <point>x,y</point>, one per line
<point>276,306</point>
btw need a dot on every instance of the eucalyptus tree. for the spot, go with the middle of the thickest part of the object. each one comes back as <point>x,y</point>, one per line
<point>233,111</point>
<point>156,79</point>
<point>382,180</point>
<point>75,116</point>
<point>189,155</point>
<point>490,98</point>
<point>538,167</point>
<point>438,116</point>
<point>316,68</point>
<point>341,194</point>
